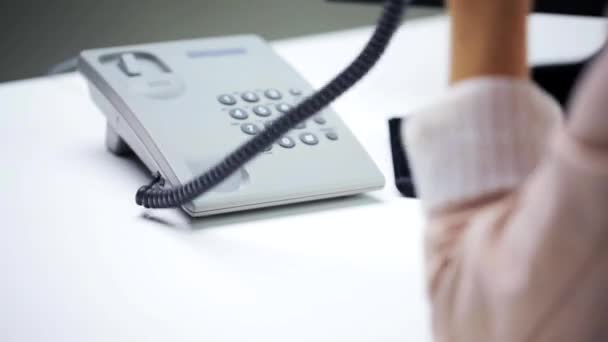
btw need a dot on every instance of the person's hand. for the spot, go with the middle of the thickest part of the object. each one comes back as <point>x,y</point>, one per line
<point>489,38</point>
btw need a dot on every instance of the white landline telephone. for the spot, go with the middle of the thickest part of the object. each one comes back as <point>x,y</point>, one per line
<point>182,106</point>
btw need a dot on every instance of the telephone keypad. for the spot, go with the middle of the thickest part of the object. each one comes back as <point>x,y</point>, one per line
<point>265,110</point>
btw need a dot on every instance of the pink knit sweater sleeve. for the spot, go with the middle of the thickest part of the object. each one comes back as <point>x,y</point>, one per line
<point>517,203</point>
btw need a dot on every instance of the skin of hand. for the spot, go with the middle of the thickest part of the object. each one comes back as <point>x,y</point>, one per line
<point>489,38</point>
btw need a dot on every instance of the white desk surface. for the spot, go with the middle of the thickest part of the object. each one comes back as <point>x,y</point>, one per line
<point>79,262</point>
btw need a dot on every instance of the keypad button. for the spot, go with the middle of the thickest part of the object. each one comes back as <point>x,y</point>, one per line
<point>295,92</point>
<point>267,149</point>
<point>250,97</point>
<point>283,108</point>
<point>250,128</point>
<point>301,125</point>
<point>332,136</point>
<point>267,124</point>
<point>309,139</point>
<point>239,114</point>
<point>262,110</point>
<point>227,100</point>
<point>320,120</point>
<point>287,142</point>
<point>273,94</point>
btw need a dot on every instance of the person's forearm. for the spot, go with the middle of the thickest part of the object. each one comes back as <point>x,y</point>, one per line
<point>489,38</point>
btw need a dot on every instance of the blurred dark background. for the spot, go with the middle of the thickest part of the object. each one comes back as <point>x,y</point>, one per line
<point>34,35</point>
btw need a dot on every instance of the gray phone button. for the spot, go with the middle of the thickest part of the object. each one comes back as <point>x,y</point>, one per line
<point>273,94</point>
<point>295,92</point>
<point>262,111</point>
<point>320,120</point>
<point>309,139</point>
<point>283,108</point>
<point>301,125</point>
<point>228,100</point>
<point>239,114</point>
<point>250,97</point>
<point>250,129</point>
<point>287,142</point>
<point>332,136</point>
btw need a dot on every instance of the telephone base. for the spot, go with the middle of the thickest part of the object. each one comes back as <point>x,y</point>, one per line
<point>182,106</point>
<point>116,144</point>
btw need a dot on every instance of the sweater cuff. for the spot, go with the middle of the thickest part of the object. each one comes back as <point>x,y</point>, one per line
<point>484,136</point>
